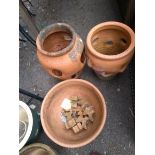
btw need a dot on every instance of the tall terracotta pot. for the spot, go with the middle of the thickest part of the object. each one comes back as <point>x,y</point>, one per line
<point>110,47</point>
<point>60,50</point>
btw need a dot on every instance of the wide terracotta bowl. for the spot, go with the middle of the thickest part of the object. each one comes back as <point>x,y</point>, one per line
<point>51,113</point>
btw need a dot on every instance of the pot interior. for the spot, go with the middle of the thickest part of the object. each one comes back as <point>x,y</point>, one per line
<point>23,123</point>
<point>57,39</point>
<point>51,111</point>
<point>111,40</point>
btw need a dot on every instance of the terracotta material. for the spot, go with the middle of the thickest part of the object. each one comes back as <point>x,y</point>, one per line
<point>110,47</point>
<point>60,50</point>
<point>51,113</point>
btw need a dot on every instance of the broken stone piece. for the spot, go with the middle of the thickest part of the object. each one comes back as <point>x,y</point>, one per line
<point>79,119</point>
<point>74,98</point>
<point>74,104</point>
<point>89,110</point>
<point>76,129</point>
<point>84,122</point>
<point>66,125</point>
<point>81,102</point>
<point>90,115</point>
<point>79,126</point>
<point>69,124</point>
<point>84,105</point>
<point>80,113</point>
<point>66,104</point>
<point>63,118</point>
<point>68,115</point>
<point>77,109</point>
<point>74,114</point>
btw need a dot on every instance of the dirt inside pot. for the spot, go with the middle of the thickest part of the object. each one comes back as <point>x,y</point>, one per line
<point>57,41</point>
<point>111,41</point>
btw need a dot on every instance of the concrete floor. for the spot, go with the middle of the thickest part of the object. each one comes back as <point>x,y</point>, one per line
<point>117,138</point>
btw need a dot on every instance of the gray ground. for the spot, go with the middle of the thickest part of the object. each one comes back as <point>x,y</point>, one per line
<point>117,138</point>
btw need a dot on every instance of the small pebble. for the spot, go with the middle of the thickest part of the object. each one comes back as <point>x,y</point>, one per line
<point>102,140</point>
<point>32,106</point>
<point>63,118</point>
<point>28,64</point>
<point>105,153</point>
<point>129,145</point>
<point>118,89</point>
<point>120,123</point>
<point>28,7</point>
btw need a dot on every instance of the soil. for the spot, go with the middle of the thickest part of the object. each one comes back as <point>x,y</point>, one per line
<point>56,41</point>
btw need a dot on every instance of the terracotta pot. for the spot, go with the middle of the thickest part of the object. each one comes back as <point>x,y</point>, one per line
<point>37,149</point>
<point>110,47</point>
<point>51,117</point>
<point>60,50</point>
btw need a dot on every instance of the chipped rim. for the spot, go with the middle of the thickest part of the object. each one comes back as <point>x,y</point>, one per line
<point>94,135</point>
<point>106,24</point>
<point>44,33</point>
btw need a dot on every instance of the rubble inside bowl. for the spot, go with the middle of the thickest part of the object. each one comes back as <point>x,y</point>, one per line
<point>77,113</point>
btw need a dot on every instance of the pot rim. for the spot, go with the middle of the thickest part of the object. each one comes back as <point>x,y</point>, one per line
<point>94,135</point>
<point>110,57</point>
<point>30,124</point>
<point>45,32</point>
<point>40,145</point>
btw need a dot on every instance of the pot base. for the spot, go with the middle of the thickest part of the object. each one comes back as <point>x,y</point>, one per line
<point>100,76</point>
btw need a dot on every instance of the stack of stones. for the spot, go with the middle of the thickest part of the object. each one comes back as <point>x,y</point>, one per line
<point>78,115</point>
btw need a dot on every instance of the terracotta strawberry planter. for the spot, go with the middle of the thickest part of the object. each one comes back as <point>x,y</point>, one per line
<point>60,50</point>
<point>51,109</point>
<point>110,47</point>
